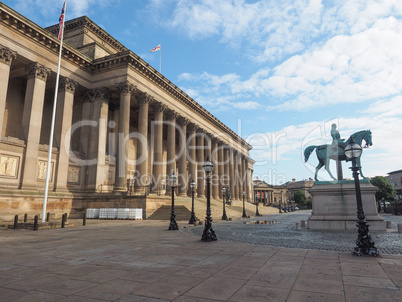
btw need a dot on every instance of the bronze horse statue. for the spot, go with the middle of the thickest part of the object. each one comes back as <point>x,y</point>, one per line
<point>325,152</point>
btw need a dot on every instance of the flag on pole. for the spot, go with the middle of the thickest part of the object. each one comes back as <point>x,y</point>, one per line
<point>156,48</point>
<point>61,20</point>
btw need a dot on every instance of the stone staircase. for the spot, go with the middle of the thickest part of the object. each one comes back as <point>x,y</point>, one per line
<point>183,209</point>
<point>163,213</point>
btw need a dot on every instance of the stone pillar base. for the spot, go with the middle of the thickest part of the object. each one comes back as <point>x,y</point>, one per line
<point>335,207</point>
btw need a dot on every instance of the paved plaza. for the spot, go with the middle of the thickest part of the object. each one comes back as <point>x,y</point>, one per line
<point>120,260</point>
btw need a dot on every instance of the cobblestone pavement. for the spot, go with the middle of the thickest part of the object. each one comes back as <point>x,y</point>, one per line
<point>282,233</point>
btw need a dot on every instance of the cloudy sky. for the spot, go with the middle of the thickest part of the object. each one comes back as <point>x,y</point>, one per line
<point>277,72</point>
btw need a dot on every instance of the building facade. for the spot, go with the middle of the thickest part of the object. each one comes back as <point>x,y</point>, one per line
<point>121,127</point>
<point>281,194</point>
<point>395,179</point>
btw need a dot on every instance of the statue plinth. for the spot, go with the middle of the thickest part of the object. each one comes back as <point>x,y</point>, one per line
<point>335,208</point>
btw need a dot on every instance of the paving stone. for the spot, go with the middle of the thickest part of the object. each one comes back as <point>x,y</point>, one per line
<point>305,296</point>
<point>260,294</point>
<point>367,294</point>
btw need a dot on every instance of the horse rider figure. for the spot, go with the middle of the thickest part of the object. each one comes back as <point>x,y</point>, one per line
<point>337,141</point>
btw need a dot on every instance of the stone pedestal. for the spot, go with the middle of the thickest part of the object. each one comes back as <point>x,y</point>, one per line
<point>335,207</point>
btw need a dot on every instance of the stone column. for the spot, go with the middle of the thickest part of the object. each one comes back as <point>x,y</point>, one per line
<point>32,121</point>
<point>240,175</point>
<point>97,139</point>
<point>157,131</point>
<point>64,117</point>
<point>215,171</point>
<point>191,155</point>
<point>221,168</point>
<point>226,168</point>
<point>183,181</point>
<point>246,178</point>
<point>125,89</point>
<point>171,146</point>
<point>200,161</point>
<point>142,142</point>
<point>232,182</point>
<point>6,57</point>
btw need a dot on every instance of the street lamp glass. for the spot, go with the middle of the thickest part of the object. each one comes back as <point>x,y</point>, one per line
<point>208,166</point>
<point>223,190</point>
<point>353,150</point>
<point>193,184</point>
<point>173,179</point>
<point>243,193</point>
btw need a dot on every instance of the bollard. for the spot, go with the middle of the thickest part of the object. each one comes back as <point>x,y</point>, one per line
<point>298,228</point>
<point>303,223</point>
<point>84,220</point>
<point>388,225</point>
<point>399,227</point>
<point>36,226</point>
<point>63,220</point>
<point>47,216</point>
<point>15,222</point>
<point>25,217</point>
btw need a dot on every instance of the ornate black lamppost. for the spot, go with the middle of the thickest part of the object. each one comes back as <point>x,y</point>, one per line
<point>192,218</point>
<point>244,206</point>
<point>209,233</point>
<point>224,217</point>
<point>364,242</point>
<point>256,207</point>
<point>173,224</point>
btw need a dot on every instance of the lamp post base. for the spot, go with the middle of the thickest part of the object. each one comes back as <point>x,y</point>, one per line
<point>192,218</point>
<point>364,243</point>
<point>173,224</point>
<point>224,217</point>
<point>209,232</point>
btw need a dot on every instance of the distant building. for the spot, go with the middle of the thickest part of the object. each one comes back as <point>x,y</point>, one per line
<point>395,179</point>
<point>303,185</point>
<point>273,195</point>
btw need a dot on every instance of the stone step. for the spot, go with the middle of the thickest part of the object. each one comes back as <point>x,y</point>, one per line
<point>163,213</point>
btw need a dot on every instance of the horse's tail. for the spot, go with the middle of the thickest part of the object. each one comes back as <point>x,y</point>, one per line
<point>308,151</point>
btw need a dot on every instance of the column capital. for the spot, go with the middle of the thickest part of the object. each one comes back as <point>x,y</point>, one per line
<point>126,87</point>
<point>36,70</point>
<point>171,115</point>
<point>158,106</point>
<point>144,99</point>
<point>182,121</point>
<point>67,85</point>
<point>7,55</point>
<point>97,93</point>
<point>192,127</point>
<point>215,140</point>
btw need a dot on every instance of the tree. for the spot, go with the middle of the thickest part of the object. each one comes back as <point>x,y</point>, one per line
<point>385,189</point>
<point>300,197</point>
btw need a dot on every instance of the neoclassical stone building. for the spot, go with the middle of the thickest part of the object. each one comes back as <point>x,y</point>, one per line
<point>120,125</point>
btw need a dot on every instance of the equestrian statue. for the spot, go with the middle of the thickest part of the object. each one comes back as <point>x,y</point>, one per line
<point>336,150</point>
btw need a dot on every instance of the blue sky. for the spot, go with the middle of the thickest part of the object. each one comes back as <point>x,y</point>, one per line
<point>277,72</point>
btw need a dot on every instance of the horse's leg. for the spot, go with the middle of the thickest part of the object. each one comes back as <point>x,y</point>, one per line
<point>319,166</point>
<point>360,168</point>
<point>327,168</point>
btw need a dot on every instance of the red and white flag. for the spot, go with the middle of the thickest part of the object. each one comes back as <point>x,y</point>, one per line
<point>156,48</point>
<point>61,20</point>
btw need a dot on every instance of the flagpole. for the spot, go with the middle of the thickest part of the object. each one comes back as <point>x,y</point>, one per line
<point>49,158</point>
<point>160,59</point>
